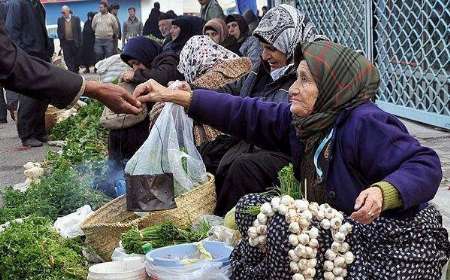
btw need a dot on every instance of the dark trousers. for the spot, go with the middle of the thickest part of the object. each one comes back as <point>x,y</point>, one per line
<point>71,55</point>
<point>103,48</point>
<point>241,173</point>
<point>3,108</point>
<point>31,118</point>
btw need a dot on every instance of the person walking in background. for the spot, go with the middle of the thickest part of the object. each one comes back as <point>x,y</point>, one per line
<point>165,24</point>
<point>114,10</point>
<point>87,49</point>
<point>210,9</point>
<point>25,24</point>
<point>105,26</point>
<point>151,24</point>
<point>69,34</point>
<point>132,27</point>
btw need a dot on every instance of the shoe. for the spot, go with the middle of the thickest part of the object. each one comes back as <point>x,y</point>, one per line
<point>32,142</point>
<point>43,139</point>
<point>3,121</point>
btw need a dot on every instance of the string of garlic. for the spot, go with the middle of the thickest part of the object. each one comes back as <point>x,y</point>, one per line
<point>303,236</point>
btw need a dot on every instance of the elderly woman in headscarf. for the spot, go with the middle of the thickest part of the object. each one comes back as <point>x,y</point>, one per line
<point>355,157</point>
<point>217,30</point>
<point>241,167</point>
<point>183,28</point>
<point>148,61</point>
<point>249,46</point>
<point>206,64</point>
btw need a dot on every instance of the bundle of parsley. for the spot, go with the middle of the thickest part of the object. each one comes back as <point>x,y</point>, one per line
<point>32,250</point>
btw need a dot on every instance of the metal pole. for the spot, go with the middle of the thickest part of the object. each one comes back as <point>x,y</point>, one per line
<point>369,30</point>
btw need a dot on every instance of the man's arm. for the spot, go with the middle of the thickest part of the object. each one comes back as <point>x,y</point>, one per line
<point>38,79</point>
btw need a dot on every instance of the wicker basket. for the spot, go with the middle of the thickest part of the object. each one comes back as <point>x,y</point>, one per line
<point>104,227</point>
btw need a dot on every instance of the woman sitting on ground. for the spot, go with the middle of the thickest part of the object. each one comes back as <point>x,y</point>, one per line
<point>239,167</point>
<point>217,30</point>
<point>206,64</point>
<point>148,61</point>
<point>354,156</point>
<point>249,46</point>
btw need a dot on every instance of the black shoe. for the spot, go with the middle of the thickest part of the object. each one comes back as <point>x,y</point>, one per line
<point>32,142</point>
<point>3,121</point>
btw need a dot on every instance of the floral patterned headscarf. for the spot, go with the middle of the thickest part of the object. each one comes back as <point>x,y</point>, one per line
<point>200,54</point>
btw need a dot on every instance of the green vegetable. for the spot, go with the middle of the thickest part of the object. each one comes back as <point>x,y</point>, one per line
<point>32,250</point>
<point>288,183</point>
<point>58,194</point>
<point>161,235</point>
<point>85,137</point>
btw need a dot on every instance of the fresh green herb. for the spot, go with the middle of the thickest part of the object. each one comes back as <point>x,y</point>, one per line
<point>85,137</point>
<point>161,235</point>
<point>58,194</point>
<point>32,250</point>
<point>288,183</point>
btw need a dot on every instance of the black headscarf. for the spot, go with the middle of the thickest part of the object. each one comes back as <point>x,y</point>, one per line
<point>142,49</point>
<point>189,26</point>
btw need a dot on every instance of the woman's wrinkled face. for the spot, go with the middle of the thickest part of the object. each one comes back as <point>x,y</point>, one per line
<point>304,92</point>
<point>136,64</point>
<point>274,57</point>
<point>213,35</point>
<point>175,31</point>
<point>233,29</point>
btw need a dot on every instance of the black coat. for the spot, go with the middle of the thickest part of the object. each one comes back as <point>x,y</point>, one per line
<point>34,77</point>
<point>87,50</point>
<point>151,24</point>
<point>25,24</point>
<point>76,30</point>
<point>163,70</point>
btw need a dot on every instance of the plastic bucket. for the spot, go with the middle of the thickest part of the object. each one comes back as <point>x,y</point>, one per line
<point>171,256</point>
<point>122,270</point>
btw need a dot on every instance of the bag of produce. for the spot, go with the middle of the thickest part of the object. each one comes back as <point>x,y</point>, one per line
<point>167,164</point>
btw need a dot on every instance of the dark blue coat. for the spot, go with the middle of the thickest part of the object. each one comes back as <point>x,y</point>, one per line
<point>370,145</point>
<point>26,27</point>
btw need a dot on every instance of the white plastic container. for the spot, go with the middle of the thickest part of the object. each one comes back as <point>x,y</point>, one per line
<point>122,270</point>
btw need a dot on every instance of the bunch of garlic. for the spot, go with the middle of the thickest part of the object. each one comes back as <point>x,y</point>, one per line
<point>303,237</point>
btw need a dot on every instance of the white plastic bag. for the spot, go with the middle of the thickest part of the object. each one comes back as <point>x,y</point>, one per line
<point>69,226</point>
<point>120,254</point>
<point>170,148</point>
<point>198,271</point>
<point>111,68</point>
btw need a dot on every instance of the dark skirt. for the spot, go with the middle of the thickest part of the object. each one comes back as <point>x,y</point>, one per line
<point>412,248</point>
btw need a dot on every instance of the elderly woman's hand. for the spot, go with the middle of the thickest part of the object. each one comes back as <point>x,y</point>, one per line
<point>368,205</point>
<point>152,91</point>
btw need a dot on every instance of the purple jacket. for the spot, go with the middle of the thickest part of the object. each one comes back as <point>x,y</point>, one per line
<point>369,146</point>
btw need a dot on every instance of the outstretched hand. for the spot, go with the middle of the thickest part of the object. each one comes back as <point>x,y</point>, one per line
<point>114,97</point>
<point>150,91</point>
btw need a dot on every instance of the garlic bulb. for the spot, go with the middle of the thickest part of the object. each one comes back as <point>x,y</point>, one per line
<point>261,229</point>
<point>275,202</point>
<point>303,238</point>
<point>294,267</point>
<point>298,276</point>
<point>328,266</point>
<point>294,227</point>
<point>262,219</point>
<point>293,240</point>
<point>252,232</point>
<point>267,210</point>
<point>325,224</point>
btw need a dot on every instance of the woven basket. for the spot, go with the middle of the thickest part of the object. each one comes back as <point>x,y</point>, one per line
<point>51,117</point>
<point>104,227</point>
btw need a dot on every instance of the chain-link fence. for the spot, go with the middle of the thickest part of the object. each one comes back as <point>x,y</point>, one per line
<point>409,42</point>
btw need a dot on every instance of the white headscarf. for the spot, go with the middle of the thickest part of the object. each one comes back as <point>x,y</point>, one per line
<point>284,27</point>
<point>200,54</point>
